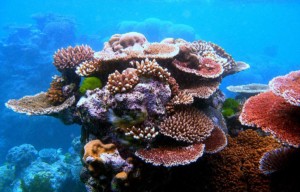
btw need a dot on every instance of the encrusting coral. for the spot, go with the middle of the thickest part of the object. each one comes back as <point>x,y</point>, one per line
<point>236,168</point>
<point>159,104</point>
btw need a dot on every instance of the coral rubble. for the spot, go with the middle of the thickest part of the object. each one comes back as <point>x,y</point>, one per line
<point>159,104</point>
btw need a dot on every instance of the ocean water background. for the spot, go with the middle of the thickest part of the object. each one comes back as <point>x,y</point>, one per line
<point>264,34</point>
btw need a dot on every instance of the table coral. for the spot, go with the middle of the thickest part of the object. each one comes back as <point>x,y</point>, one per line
<point>287,87</point>
<point>187,124</point>
<point>273,114</point>
<point>172,156</point>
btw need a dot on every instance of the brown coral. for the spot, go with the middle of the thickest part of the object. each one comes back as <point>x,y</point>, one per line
<point>202,89</point>
<point>88,68</point>
<point>169,156</point>
<point>150,69</point>
<point>122,82</point>
<point>182,98</point>
<point>216,142</point>
<point>236,167</point>
<point>71,57</point>
<point>288,87</point>
<point>38,104</point>
<point>273,114</point>
<point>187,124</point>
<point>55,94</point>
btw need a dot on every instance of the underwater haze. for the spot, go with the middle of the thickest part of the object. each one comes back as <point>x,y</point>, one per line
<point>261,33</point>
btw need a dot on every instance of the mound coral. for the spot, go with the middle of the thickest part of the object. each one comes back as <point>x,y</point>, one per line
<point>55,92</point>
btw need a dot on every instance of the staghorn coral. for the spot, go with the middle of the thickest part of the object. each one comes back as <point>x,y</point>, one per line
<point>170,156</point>
<point>236,167</point>
<point>71,57</point>
<point>182,98</point>
<point>273,114</point>
<point>187,124</point>
<point>288,87</point>
<point>88,68</point>
<point>216,142</point>
<point>151,69</point>
<point>55,92</point>
<point>122,82</point>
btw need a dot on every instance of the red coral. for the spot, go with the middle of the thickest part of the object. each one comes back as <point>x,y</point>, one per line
<point>288,87</point>
<point>209,68</point>
<point>171,156</point>
<point>273,114</point>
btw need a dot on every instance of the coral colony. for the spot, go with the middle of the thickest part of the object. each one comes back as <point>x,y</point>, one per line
<point>159,105</point>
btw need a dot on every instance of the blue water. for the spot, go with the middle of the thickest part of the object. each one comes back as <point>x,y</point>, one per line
<point>264,34</point>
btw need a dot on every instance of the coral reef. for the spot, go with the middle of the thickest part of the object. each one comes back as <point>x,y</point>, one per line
<point>159,105</point>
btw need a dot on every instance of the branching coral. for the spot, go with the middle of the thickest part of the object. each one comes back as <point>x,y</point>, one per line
<point>71,57</point>
<point>88,68</point>
<point>151,69</point>
<point>143,133</point>
<point>122,82</point>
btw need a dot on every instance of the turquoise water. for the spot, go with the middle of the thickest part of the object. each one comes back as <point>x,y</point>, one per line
<point>264,34</point>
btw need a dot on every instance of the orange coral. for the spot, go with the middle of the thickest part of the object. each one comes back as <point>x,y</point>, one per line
<point>236,167</point>
<point>93,150</point>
